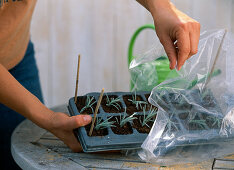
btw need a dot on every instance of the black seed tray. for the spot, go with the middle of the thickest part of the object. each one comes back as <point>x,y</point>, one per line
<point>110,141</point>
<point>182,106</point>
<point>185,105</point>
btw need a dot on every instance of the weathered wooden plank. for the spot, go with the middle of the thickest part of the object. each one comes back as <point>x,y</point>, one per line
<point>31,155</point>
<point>224,164</point>
<point>48,135</point>
<point>91,160</point>
<point>35,148</point>
<point>229,157</point>
<point>47,155</point>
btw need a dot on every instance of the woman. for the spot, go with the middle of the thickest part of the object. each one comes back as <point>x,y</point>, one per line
<point>20,90</point>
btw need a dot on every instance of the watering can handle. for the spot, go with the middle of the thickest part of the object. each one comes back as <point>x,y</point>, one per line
<point>133,39</point>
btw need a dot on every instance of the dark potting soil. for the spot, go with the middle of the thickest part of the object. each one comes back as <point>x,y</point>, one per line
<point>131,107</point>
<point>115,108</point>
<point>212,121</point>
<point>110,138</point>
<point>174,101</point>
<point>142,129</point>
<point>208,101</point>
<point>179,101</point>
<point>124,130</point>
<point>100,132</point>
<point>149,106</point>
<point>147,96</point>
<point>196,124</point>
<point>81,102</point>
<point>183,106</point>
<point>184,115</point>
<point>172,126</point>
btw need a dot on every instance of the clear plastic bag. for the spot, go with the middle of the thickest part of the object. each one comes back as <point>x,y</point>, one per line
<point>150,69</point>
<point>195,120</point>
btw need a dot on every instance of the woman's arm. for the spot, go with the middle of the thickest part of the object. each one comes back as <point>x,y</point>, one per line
<point>143,3</point>
<point>16,97</point>
<point>178,33</point>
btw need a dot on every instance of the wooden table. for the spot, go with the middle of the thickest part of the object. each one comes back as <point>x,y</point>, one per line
<point>35,148</point>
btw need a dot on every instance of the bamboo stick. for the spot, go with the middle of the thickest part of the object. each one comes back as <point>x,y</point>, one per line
<point>216,57</point>
<point>95,113</point>
<point>77,78</point>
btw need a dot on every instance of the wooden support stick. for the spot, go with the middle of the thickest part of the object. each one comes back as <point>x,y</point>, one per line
<point>77,78</point>
<point>216,57</point>
<point>95,113</point>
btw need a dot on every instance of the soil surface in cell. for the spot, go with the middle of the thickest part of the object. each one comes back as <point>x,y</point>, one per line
<point>183,106</point>
<point>208,101</point>
<point>82,102</point>
<point>149,106</point>
<point>172,126</point>
<point>212,122</point>
<point>184,115</point>
<point>111,107</point>
<point>100,132</point>
<point>142,129</point>
<point>131,107</point>
<point>124,130</point>
<point>196,124</point>
<point>147,96</point>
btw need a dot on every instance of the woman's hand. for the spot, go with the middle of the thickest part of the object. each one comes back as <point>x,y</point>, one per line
<point>178,33</point>
<point>62,126</point>
<point>16,97</point>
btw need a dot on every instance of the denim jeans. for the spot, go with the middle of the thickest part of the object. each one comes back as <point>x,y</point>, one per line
<point>26,73</point>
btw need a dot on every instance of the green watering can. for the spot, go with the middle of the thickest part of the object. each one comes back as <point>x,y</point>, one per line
<point>162,63</point>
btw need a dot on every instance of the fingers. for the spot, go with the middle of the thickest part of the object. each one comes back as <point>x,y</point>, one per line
<point>194,40</point>
<point>73,143</point>
<point>63,121</point>
<point>173,25</point>
<point>74,122</point>
<point>78,121</point>
<point>170,50</point>
<point>188,39</point>
<point>183,43</point>
<point>76,148</point>
<point>63,126</point>
<point>185,46</point>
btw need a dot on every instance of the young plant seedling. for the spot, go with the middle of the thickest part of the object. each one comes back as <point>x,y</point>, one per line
<point>136,102</point>
<point>125,119</point>
<point>103,124</point>
<point>204,93</point>
<point>88,104</point>
<point>171,124</point>
<point>149,117</point>
<point>216,120</point>
<point>192,115</point>
<point>113,102</point>
<point>200,123</point>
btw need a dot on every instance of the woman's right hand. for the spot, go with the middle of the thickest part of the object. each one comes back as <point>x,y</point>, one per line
<point>62,126</point>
